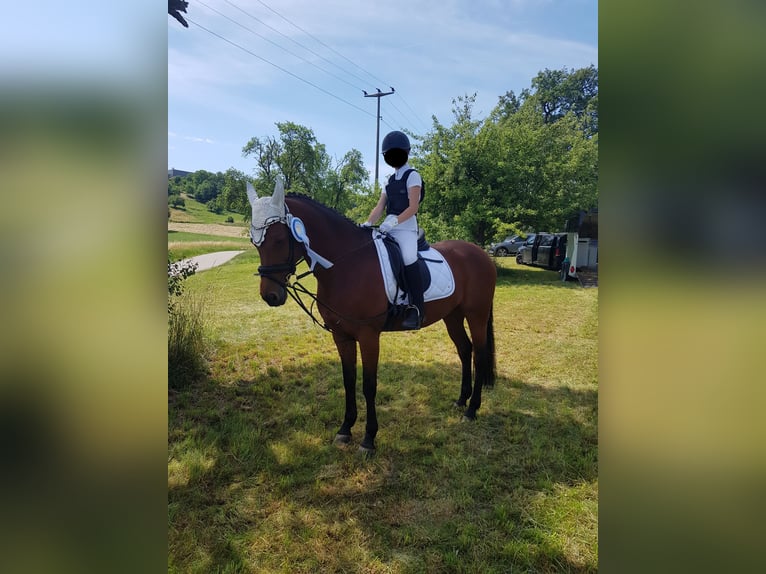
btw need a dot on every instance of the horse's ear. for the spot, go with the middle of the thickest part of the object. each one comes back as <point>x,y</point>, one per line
<point>251,195</point>
<point>278,199</point>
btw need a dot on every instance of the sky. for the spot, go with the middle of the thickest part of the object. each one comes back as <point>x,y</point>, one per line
<point>244,65</point>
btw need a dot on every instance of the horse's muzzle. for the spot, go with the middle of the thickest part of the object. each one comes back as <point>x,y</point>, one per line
<point>275,298</point>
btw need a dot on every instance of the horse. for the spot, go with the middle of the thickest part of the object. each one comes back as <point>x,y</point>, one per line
<point>351,300</point>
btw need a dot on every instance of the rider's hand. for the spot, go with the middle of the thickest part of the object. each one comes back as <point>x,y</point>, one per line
<point>366,224</point>
<point>389,223</point>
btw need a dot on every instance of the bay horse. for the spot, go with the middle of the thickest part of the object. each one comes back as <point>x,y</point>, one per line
<point>351,299</point>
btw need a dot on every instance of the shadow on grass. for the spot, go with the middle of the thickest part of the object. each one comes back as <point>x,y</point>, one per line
<point>254,480</point>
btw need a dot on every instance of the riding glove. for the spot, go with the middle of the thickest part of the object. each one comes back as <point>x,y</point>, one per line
<point>389,223</point>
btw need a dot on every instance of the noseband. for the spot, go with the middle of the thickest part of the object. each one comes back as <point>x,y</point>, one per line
<point>297,233</point>
<point>288,267</point>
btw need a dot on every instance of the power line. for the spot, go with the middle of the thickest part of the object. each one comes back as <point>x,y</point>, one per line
<point>407,119</point>
<point>277,45</point>
<point>414,113</point>
<point>323,44</point>
<point>294,41</point>
<point>279,67</point>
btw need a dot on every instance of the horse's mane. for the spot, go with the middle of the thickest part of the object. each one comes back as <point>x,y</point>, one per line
<point>329,211</point>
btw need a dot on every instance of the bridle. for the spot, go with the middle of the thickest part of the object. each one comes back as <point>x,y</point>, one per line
<point>294,287</point>
<point>289,266</point>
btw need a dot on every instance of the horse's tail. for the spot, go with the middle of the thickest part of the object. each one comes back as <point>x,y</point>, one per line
<point>491,357</point>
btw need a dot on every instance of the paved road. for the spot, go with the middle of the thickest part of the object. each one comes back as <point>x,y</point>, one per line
<point>210,260</point>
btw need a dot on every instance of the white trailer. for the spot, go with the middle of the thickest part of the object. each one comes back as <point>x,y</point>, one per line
<point>582,244</point>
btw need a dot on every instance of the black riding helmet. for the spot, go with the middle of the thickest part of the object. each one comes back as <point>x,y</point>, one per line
<point>396,148</point>
<point>395,140</point>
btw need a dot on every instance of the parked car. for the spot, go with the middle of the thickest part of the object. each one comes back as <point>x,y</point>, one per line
<point>544,250</point>
<point>510,246</point>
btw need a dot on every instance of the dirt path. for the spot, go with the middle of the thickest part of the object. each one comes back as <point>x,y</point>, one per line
<point>210,260</point>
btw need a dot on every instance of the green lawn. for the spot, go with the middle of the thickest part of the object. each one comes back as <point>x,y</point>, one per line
<point>196,212</point>
<point>183,244</point>
<point>255,485</point>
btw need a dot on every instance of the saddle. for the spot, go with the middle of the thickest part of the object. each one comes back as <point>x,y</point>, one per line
<point>436,274</point>
<point>397,264</point>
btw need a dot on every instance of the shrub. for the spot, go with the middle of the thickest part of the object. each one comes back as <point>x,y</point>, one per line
<point>230,219</point>
<point>215,206</point>
<point>176,201</point>
<point>177,272</point>
<point>186,343</point>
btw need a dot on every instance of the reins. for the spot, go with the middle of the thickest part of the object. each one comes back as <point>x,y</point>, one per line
<point>294,288</point>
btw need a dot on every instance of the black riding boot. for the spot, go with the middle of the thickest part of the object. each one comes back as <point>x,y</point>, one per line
<point>414,314</point>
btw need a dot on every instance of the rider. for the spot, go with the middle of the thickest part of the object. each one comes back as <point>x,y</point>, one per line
<point>400,199</point>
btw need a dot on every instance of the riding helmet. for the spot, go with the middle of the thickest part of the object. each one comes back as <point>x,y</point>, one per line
<point>395,140</point>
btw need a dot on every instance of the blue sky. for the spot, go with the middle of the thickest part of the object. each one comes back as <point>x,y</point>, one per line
<point>221,95</point>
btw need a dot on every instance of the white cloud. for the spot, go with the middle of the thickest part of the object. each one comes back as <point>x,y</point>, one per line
<point>431,52</point>
<point>199,140</point>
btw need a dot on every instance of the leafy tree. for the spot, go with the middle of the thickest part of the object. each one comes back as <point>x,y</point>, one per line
<point>452,167</point>
<point>343,181</point>
<point>529,164</point>
<point>558,92</point>
<point>305,166</point>
<point>201,184</point>
<point>295,156</point>
<point>233,195</point>
<point>175,185</point>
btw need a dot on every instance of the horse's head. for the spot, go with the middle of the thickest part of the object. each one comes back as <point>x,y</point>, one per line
<point>277,247</point>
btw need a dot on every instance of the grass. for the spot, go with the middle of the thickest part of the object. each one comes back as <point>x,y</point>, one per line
<point>183,244</point>
<point>202,231</point>
<point>254,484</point>
<point>186,341</point>
<point>196,212</point>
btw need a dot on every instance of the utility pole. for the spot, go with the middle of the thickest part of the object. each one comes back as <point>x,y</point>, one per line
<point>378,95</point>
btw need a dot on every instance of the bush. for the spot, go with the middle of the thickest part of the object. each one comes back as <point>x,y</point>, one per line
<point>176,201</point>
<point>177,273</point>
<point>230,219</point>
<point>186,343</point>
<point>215,206</point>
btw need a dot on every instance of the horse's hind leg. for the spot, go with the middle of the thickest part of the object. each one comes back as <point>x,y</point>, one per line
<point>456,330</point>
<point>347,351</point>
<point>482,357</point>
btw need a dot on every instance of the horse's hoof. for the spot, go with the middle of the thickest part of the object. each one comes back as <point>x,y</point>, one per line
<point>458,404</point>
<point>467,418</point>
<point>342,440</point>
<point>366,452</point>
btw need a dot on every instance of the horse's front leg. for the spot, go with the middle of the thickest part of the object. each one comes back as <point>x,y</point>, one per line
<point>347,351</point>
<point>370,349</point>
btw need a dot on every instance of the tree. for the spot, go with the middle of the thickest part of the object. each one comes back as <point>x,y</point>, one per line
<point>529,164</point>
<point>305,166</point>
<point>452,165</point>
<point>295,156</point>
<point>558,92</point>
<point>344,180</point>
<point>233,195</point>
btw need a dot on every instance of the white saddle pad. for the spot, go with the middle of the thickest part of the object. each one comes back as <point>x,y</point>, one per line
<point>442,280</point>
